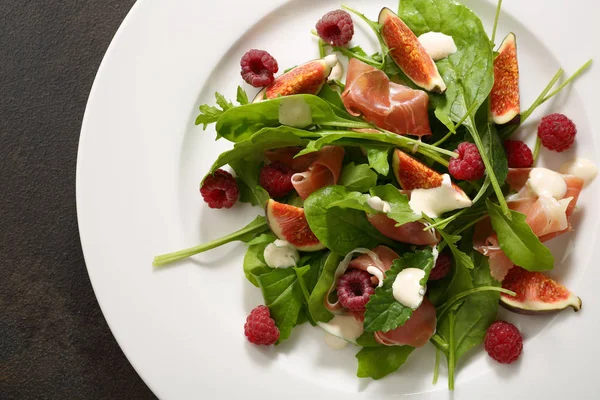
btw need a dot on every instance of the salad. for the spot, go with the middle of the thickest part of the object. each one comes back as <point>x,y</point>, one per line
<point>398,210</point>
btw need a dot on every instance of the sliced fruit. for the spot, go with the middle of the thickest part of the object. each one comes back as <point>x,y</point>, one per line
<point>289,223</point>
<point>413,174</point>
<point>505,101</point>
<point>536,293</point>
<point>408,53</point>
<point>307,78</point>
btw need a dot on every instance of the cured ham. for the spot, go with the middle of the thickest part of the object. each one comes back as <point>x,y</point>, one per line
<point>547,217</point>
<point>411,232</point>
<point>285,155</point>
<point>386,104</point>
<point>415,332</point>
<point>323,171</point>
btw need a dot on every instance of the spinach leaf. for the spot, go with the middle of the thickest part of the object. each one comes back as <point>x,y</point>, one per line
<point>247,172</point>
<point>254,262</point>
<point>357,178</point>
<point>383,311</point>
<point>458,281</point>
<point>239,123</point>
<point>340,230</point>
<point>283,295</point>
<point>518,241</point>
<point>367,339</point>
<point>492,144</point>
<point>210,114</point>
<point>377,362</point>
<point>326,277</point>
<point>400,210</point>
<point>246,234</point>
<point>242,97</point>
<point>378,159</point>
<point>355,201</point>
<point>468,73</point>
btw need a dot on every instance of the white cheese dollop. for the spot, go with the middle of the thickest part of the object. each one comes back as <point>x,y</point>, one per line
<point>436,201</point>
<point>581,168</point>
<point>407,288</point>
<point>295,112</point>
<point>377,204</point>
<point>438,45</point>
<point>345,328</point>
<point>547,183</point>
<point>376,272</point>
<point>281,254</point>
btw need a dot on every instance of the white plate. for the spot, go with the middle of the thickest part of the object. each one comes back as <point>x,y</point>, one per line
<point>140,160</point>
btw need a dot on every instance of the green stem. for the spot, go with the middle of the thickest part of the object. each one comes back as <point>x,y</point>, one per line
<point>470,224</point>
<point>451,351</point>
<point>442,140</point>
<point>375,26</point>
<point>540,99</point>
<point>366,60</point>
<point>344,123</point>
<point>569,80</point>
<point>446,306</point>
<point>536,149</point>
<point>181,254</point>
<point>321,49</point>
<point>413,142</point>
<point>439,342</point>
<point>498,8</point>
<point>436,367</point>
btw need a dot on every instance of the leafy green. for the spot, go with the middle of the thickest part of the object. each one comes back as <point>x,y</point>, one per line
<point>242,97</point>
<point>340,230</point>
<point>283,295</point>
<point>377,362</point>
<point>358,178</point>
<point>247,233</point>
<point>240,123</point>
<point>468,73</point>
<point>518,241</point>
<point>254,261</point>
<point>383,311</point>
<point>400,210</point>
<point>211,114</point>
<point>367,339</point>
<point>326,280</point>
<point>495,150</point>
<point>378,159</point>
<point>247,172</point>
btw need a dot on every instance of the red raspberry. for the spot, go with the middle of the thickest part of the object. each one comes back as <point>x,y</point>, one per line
<point>260,327</point>
<point>258,68</point>
<point>336,28</point>
<point>468,166</point>
<point>276,178</point>
<point>354,289</point>
<point>557,132</point>
<point>503,342</point>
<point>442,267</point>
<point>220,190</point>
<point>518,153</point>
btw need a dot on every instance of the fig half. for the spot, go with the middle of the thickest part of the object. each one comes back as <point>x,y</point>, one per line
<point>505,100</point>
<point>536,293</point>
<point>408,53</point>
<point>289,223</point>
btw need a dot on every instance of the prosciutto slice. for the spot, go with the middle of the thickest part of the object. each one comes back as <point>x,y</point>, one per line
<point>411,232</point>
<point>388,105</point>
<point>323,171</point>
<point>547,217</point>
<point>417,330</point>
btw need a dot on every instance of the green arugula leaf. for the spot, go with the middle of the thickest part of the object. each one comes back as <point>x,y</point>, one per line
<point>283,295</point>
<point>383,311</point>
<point>246,234</point>
<point>400,210</point>
<point>378,159</point>
<point>377,362</point>
<point>209,114</point>
<point>242,97</point>
<point>247,172</point>
<point>357,178</point>
<point>518,241</point>
<point>326,279</point>
<point>340,230</point>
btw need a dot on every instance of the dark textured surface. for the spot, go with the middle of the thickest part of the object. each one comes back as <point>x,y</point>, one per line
<point>54,341</point>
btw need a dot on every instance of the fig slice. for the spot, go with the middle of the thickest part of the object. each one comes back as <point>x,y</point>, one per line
<point>408,53</point>
<point>536,293</point>
<point>505,101</point>
<point>307,78</point>
<point>413,174</point>
<point>289,223</point>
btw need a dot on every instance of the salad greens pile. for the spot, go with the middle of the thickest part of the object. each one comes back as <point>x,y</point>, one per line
<point>466,300</point>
